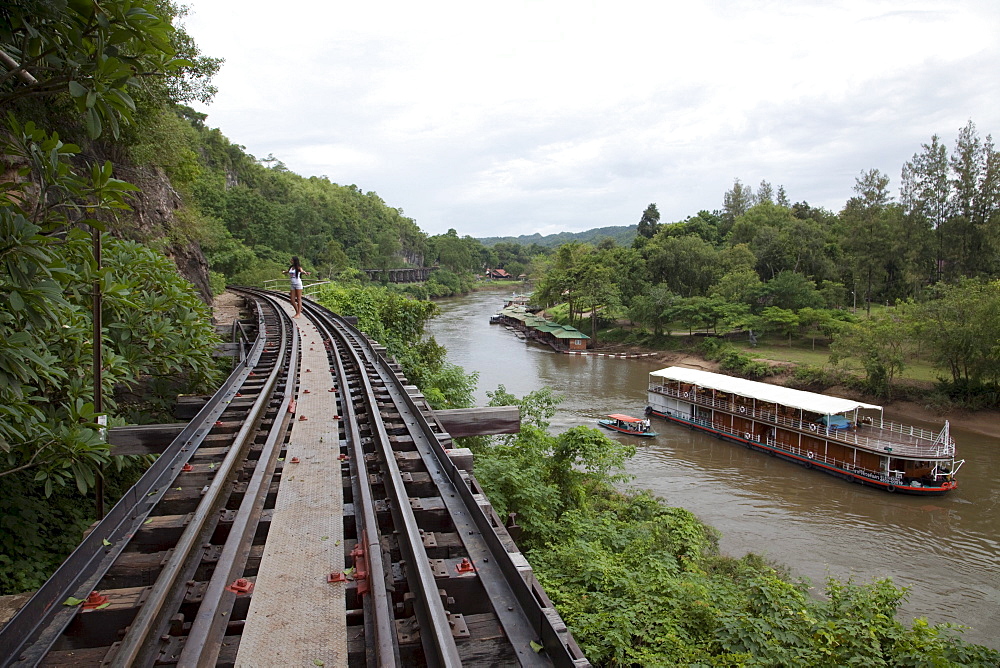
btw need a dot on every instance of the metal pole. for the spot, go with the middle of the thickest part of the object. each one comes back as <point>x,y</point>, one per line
<point>98,389</point>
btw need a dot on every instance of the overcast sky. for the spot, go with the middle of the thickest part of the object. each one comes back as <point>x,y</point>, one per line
<point>546,116</point>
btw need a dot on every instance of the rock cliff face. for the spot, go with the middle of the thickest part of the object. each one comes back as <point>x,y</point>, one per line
<point>157,220</point>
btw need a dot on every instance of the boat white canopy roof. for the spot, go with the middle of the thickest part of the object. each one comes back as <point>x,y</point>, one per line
<point>786,396</point>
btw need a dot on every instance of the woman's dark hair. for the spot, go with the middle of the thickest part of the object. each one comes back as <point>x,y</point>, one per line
<point>295,263</point>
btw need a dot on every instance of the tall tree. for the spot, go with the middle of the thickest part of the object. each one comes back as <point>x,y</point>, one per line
<point>866,230</point>
<point>736,202</point>
<point>926,192</point>
<point>765,193</point>
<point>782,198</point>
<point>649,223</point>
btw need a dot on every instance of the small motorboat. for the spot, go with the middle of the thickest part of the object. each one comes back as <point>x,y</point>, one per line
<point>627,424</point>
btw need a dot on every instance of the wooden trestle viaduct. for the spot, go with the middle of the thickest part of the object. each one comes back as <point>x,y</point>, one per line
<point>313,512</point>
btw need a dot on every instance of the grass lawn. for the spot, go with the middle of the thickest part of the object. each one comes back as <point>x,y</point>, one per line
<point>801,351</point>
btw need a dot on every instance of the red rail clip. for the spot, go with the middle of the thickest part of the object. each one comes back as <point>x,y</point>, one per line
<point>295,460</point>
<point>306,392</point>
<point>240,586</point>
<point>465,567</point>
<point>337,577</point>
<point>302,418</point>
<point>239,394</point>
<point>308,370</point>
<point>187,468</point>
<point>291,406</point>
<point>332,389</point>
<point>94,600</point>
<point>218,423</point>
<point>342,458</point>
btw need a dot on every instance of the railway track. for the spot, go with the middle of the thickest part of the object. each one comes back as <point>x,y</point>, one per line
<point>430,575</point>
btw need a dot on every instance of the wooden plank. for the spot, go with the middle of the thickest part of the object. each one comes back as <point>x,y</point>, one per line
<point>143,439</point>
<point>480,421</point>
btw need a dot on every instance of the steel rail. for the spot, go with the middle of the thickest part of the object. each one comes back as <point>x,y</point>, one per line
<point>385,645</point>
<point>522,609</point>
<point>204,640</point>
<point>139,646</point>
<point>439,643</point>
<point>464,510</point>
<point>29,635</point>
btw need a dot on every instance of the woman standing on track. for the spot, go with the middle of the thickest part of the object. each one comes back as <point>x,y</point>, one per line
<point>295,273</point>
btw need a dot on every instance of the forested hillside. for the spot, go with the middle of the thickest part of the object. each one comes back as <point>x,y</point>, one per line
<point>622,235</point>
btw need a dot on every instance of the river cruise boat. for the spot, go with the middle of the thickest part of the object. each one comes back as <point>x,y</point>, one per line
<point>842,437</point>
<point>627,424</point>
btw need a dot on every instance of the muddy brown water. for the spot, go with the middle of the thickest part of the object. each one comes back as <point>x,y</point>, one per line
<point>946,550</point>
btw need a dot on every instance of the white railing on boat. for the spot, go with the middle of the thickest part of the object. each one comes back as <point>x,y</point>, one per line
<point>892,437</point>
<point>892,477</point>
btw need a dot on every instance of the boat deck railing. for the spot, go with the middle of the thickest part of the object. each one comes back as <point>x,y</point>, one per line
<point>884,437</point>
<point>894,477</point>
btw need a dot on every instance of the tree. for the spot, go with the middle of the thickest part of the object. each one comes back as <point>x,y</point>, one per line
<point>652,309</point>
<point>792,291</point>
<point>596,290</point>
<point>765,193</point>
<point>976,198</point>
<point>960,326</point>
<point>736,202</point>
<point>867,229</point>
<point>925,192</point>
<point>782,198</point>
<point>99,53</point>
<point>777,319</point>
<point>452,253</point>
<point>649,223</point>
<point>740,286</point>
<point>153,324</point>
<point>782,241</point>
<point>883,345</point>
<point>686,264</point>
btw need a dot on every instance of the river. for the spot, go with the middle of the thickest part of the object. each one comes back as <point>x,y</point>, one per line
<point>944,549</point>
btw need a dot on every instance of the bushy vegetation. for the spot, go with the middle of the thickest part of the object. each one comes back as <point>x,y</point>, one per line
<point>732,360</point>
<point>397,322</point>
<point>154,327</point>
<point>642,584</point>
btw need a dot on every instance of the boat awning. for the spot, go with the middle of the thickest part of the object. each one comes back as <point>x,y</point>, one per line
<point>624,418</point>
<point>786,396</point>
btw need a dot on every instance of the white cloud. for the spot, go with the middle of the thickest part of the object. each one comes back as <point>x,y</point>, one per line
<point>541,115</point>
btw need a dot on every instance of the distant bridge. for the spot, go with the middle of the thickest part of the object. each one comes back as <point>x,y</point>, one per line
<point>411,275</point>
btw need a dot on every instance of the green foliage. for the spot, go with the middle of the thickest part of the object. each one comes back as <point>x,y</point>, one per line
<point>38,531</point>
<point>153,323</point>
<point>541,477</point>
<point>257,214</point>
<point>397,322</point>
<point>732,360</point>
<point>98,54</point>
<point>814,378</point>
<point>444,283</point>
<point>882,343</point>
<point>960,327</point>
<point>792,291</point>
<point>642,584</point>
<point>154,329</point>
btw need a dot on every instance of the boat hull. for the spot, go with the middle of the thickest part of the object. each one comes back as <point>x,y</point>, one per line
<point>613,427</point>
<point>748,440</point>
